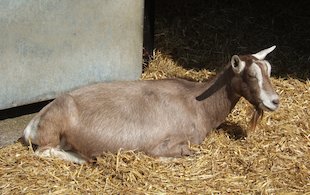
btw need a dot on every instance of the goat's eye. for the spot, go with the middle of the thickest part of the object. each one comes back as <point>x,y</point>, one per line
<point>252,76</point>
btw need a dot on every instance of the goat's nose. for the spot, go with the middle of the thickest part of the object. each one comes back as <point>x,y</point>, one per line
<point>276,102</point>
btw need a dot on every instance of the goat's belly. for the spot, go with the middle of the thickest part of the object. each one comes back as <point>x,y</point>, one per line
<point>155,140</point>
<point>93,144</point>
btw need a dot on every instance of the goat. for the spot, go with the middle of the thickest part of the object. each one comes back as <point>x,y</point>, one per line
<point>158,117</point>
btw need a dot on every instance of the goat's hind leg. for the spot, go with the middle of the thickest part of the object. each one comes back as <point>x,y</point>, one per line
<point>47,152</point>
<point>47,129</point>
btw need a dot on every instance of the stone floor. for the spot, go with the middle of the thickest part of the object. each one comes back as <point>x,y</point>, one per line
<point>11,129</point>
<point>14,120</point>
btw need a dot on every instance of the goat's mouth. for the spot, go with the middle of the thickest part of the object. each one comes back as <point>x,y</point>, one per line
<point>268,107</point>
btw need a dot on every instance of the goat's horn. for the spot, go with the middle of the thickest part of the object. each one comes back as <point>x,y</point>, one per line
<point>262,54</point>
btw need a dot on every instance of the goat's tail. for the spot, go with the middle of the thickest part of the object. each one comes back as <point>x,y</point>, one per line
<point>30,132</point>
<point>257,115</point>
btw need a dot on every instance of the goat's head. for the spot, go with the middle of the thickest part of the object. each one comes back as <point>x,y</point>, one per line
<point>252,81</point>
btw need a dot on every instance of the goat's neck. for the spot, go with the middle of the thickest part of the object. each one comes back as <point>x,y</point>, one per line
<point>220,97</point>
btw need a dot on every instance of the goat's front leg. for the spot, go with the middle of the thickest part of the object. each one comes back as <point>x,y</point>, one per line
<point>169,148</point>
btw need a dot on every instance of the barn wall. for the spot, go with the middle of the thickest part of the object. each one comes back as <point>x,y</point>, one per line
<point>48,47</point>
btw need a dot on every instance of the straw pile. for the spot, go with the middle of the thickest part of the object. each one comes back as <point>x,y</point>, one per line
<point>272,160</point>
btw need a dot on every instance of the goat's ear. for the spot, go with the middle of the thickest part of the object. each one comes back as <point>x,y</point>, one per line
<point>262,54</point>
<point>237,64</point>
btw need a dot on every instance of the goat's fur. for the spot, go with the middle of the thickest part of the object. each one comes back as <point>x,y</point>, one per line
<point>157,117</point>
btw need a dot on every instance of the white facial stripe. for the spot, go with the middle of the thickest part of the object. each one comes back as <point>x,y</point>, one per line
<point>265,97</point>
<point>268,68</point>
<point>258,73</point>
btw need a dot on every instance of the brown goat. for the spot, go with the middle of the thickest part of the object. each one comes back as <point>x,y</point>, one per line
<point>157,117</point>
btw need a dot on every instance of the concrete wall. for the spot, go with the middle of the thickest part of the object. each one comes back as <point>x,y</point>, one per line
<point>51,46</point>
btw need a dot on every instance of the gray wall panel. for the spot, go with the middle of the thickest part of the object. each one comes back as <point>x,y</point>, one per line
<point>48,46</point>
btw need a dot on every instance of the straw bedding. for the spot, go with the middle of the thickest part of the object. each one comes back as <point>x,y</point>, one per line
<point>272,160</point>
